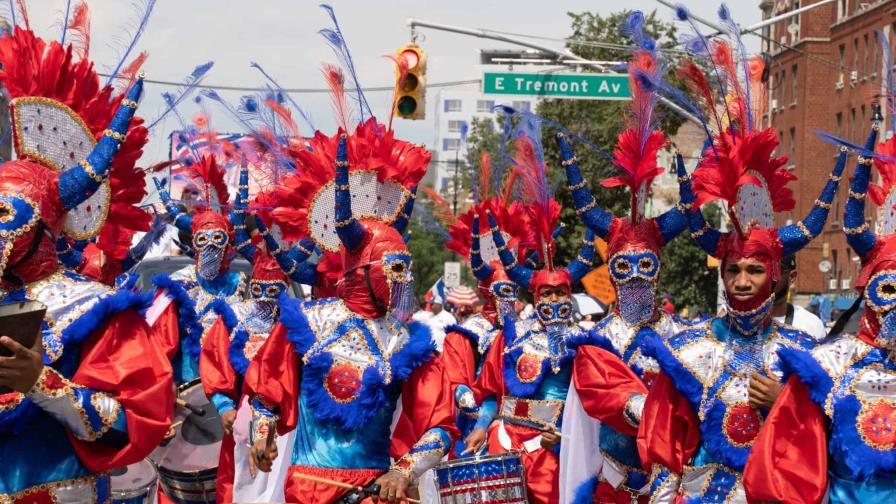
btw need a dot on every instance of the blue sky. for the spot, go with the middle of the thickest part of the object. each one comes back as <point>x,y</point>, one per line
<point>282,36</point>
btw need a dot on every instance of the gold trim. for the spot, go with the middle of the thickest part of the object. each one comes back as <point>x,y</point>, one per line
<point>700,232</point>
<point>856,230</point>
<point>822,204</point>
<point>803,229</point>
<point>570,161</point>
<point>131,104</point>
<point>90,171</point>
<point>858,196</point>
<point>586,208</point>
<point>114,134</point>
<point>575,187</point>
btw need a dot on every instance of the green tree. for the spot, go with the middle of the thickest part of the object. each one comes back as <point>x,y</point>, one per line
<point>684,275</point>
<point>427,248</point>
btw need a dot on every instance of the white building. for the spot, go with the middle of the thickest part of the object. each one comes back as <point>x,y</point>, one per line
<point>456,107</point>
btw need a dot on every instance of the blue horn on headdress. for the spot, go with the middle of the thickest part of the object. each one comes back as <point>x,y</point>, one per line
<point>244,243</point>
<point>180,220</point>
<point>596,218</point>
<point>481,269</point>
<point>702,233</point>
<point>292,261</point>
<point>404,218</point>
<point>351,233</point>
<point>520,274</point>
<point>858,235</point>
<point>796,236</point>
<point>78,183</point>
<point>584,262</point>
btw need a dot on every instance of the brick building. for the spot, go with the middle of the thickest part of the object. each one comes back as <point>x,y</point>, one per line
<point>825,70</point>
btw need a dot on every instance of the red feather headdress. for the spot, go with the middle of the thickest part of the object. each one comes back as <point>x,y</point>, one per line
<point>39,74</point>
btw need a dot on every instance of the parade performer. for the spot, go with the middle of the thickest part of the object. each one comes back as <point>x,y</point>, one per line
<point>338,369</point>
<point>718,382</point>
<point>835,415</point>
<point>633,251</point>
<point>95,391</point>
<point>232,343</point>
<point>467,344</point>
<point>529,369</point>
<point>181,312</point>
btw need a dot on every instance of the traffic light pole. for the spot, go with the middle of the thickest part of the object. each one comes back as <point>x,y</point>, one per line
<point>563,55</point>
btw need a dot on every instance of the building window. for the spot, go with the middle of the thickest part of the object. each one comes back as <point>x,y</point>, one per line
<point>522,106</point>
<point>862,128</point>
<point>865,58</point>
<point>842,49</point>
<point>852,124</point>
<point>855,54</point>
<point>450,144</point>
<point>874,66</point>
<point>453,105</point>
<point>842,8</point>
<point>840,124</point>
<point>792,145</point>
<point>455,126</point>
<point>485,105</point>
<point>794,89</point>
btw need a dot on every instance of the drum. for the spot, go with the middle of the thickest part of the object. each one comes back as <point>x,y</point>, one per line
<point>188,465</point>
<point>134,484</point>
<point>491,479</point>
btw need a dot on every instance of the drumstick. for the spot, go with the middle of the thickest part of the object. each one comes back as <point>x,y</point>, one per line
<point>193,409</point>
<point>339,484</point>
<point>531,425</point>
<point>176,424</point>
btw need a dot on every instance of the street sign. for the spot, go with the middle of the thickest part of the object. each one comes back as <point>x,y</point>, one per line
<point>824,266</point>
<point>452,275</point>
<point>581,86</point>
<point>597,283</point>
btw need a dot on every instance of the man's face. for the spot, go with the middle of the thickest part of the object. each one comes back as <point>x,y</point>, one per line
<point>788,276</point>
<point>436,308</point>
<point>553,295</point>
<point>744,279</point>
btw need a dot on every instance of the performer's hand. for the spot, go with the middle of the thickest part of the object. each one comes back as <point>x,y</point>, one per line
<point>261,457</point>
<point>227,419</point>
<point>763,391</point>
<point>393,487</point>
<point>21,371</point>
<point>550,439</point>
<point>172,431</point>
<point>474,441</point>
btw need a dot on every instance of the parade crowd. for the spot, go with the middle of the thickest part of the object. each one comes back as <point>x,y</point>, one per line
<point>215,387</point>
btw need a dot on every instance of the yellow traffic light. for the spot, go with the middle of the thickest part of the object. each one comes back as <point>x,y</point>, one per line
<point>410,91</point>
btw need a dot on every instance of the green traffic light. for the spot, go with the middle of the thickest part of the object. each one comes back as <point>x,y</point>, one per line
<point>406,106</point>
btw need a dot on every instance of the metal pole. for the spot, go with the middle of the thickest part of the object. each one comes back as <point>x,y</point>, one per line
<point>414,23</point>
<point>456,166</point>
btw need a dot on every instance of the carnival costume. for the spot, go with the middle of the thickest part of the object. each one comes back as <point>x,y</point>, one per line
<point>633,251</point>
<point>103,398</point>
<point>182,311</point>
<point>230,346</point>
<point>697,425</point>
<point>529,369</point>
<point>835,415</point>
<point>467,344</point>
<point>339,369</point>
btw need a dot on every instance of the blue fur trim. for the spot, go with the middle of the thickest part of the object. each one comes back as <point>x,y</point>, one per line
<point>809,371</point>
<point>190,330</point>
<point>99,314</point>
<point>373,395</point>
<point>236,352</point>
<point>585,491</point>
<point>686,383</point>
<point>298,332</point>
<point>712,431</point>
<point>846,443</point>
<point>463,331</point>
<point>224,311</point>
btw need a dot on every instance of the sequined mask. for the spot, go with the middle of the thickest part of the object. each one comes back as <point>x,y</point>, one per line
<point>266,291</point>
<point>635,274</point>
<point>751,322</point>
<point>210,246</point>
<point>554,314</point>
<point>880,297</point>
<point>402,302</point>
<point>505,294</point>
<point>18,215</point>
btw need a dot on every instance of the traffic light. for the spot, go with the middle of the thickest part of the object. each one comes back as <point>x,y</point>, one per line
<point>410,91</point>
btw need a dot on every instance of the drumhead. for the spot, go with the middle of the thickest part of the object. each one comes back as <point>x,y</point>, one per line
<point>134,480</point>
<point>197,443</point>
<point>510,458</point>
